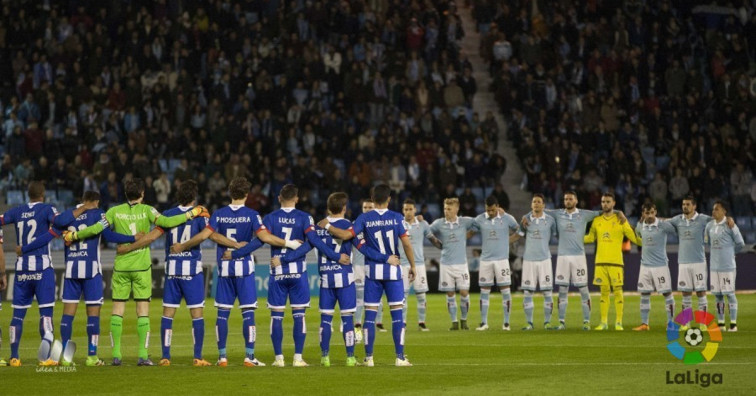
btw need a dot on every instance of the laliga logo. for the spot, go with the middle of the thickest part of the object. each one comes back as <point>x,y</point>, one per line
<point>693,336</point>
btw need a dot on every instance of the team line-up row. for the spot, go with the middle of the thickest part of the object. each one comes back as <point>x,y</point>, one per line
<point>356,280</point>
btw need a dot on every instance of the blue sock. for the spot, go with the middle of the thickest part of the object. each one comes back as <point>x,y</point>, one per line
<point>451,305</point>
<point>300,330</point>
<point>464,306</point>
<point>276,331</point>
<point>669,302</point>
<point>397,330</point>
<point>93,334</point>
<point>485,295</point>
<point>66,328</point>
<point>250,332</point>
<point>548,306</point>
<point>325,332</point>
<point>166,334</point>
<point>360,304</point>
<point>585,297</point>
<point>221,329</point>
<point>562,303</point>
<point>421,305</point>
<point>348,322</point>
<point>198,336</point>
<point>45,321</point>
<point>506,302</point>
<point>369,330</point>
<point>733,301</point>
<point>527,306</point>
<point>16,330</point>
<point>645,308</point>
<point>720,308</point>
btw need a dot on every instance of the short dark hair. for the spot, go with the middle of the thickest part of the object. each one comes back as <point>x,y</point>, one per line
<point>690,198</point>
<point>90,196</point>
<point>491,200</point>
<point>721,205</point>
<point>608,194</point>
<point>410,201</point>
<point>289,192</point>
<point>337,201</point>
<point>36,190</point>
<point>367,200</point>
<point>570,192</point>
<point>539,195</point>
<point>239,187</point>
<point>187,192</point>
<point>649,206</point>
<point>381,194</point>
<point>133,188</point>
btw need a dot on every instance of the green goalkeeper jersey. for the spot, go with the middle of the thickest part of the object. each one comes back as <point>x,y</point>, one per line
<point>129,220</point>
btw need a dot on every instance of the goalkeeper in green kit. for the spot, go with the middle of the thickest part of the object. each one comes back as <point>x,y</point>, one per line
<point>132,273</point>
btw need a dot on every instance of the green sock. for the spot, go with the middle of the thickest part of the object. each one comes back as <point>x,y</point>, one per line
<point>116,329</point>
<point>143,329</point>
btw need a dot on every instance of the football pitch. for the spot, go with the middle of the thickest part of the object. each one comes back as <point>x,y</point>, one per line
<point>461,362</point>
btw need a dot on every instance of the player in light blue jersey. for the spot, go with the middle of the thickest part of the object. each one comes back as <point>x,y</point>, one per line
<point>497,229</point>
<point>236,280</point>
<point>34,275</point>
<point>692,274</point>
<point>452,232</point>
<point>536,261</point>
<point>724,242</point>
<point>83,275</point>
<point>382,230</point>
<point>654,270</point>
<point>418,230</point>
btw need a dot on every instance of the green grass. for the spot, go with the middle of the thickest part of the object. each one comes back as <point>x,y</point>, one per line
<point>460,362</point>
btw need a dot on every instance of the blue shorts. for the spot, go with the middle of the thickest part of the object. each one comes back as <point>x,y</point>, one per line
<point>374,291</point>
<point>232,287</point>
<point>29,284</point>
<point>191,288</point>
<point>91,289</point>
<point>346,297</point>
<point>294,286</point>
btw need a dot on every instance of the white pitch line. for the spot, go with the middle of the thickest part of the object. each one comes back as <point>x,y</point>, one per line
<point>588,364</point>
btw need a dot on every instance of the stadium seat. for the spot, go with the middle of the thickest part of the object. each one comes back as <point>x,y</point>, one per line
<point>480,208</point>
<point>207,244</point>
<point>57,244</point>
<point>744,223</point>
<point>435,210</point>
<point>159,243</point>
<point>672,239</point>
<point>163,164</point>
<point>173,164</point>
<point>66,198</point>
<point>475,240</point>
<point>480,193</point>
<point>14,197</point>
<point>750,237</point>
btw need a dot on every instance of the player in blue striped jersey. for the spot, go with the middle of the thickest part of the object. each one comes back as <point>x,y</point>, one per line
<point>3,285</point>
<point>358,266</point>
<point>654,270</point>
<point>83,275</point>
<point>238,224</point>
<point>382,230</point>
<point>724,242</point>
<point>34,275</point>
<point>337,282</point>
<point>289,279</point>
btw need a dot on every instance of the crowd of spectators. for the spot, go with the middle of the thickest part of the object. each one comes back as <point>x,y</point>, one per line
<point>330,95</point>
<point>651,100</point>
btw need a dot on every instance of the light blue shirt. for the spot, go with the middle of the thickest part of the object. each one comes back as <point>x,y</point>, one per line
<point>537,236</point>
<point>495,235</point>
<point>724,242</point>
<point>571,228</point>
<point>654,237</point>
<point>453,236</point>
<point>417,231</point>
<point>691,234</point>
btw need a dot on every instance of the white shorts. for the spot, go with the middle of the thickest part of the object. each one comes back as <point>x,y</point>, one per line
<point>571,270</point>
<point>494,271</point>
<point>454,277</point>
<point>421,279</point>
<point>654,279</point>
<point>359,275</point>
<point>722,282</point>
<point>537,273</point>
<point>692,277</point>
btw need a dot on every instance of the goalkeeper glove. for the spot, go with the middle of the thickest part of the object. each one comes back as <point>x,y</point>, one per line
<point>198,211</point>
<point>69,237</point>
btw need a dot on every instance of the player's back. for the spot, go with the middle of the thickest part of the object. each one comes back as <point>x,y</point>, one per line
<point>83,257</point>
<point>238,223</point>
<point>333,274</point>
<point>32,220</point>
<point>288,224</point>
<point>381,229</point>
<point>188,262</point>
